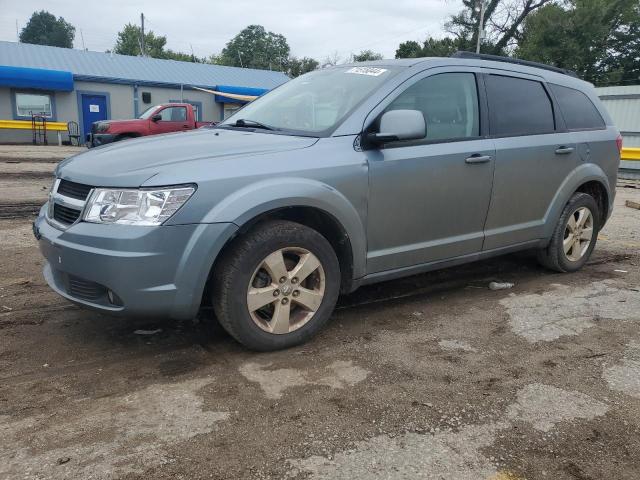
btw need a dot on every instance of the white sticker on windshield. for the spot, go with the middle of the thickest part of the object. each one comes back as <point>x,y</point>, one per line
<point>372,71</point>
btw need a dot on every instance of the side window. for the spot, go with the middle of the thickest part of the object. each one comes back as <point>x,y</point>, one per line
<point>174,114</point>
<point>578,111</point>
<point>518,106</point>
<point>449,103</point>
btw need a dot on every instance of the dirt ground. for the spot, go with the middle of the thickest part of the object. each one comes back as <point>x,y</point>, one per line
<point>433,376</point>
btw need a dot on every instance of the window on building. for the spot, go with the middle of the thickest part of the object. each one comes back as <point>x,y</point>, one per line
<point>449,103</point>
<point>230,109</point>
<point>578,111</point>
<point>28,104</point>
<point>518,106</point>
<point>174,114</point>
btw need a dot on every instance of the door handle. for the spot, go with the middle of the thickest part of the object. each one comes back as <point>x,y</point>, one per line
<point>477,158</point>
<point>564,150</point>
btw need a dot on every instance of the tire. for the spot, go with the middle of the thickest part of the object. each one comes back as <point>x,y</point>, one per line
<point>246,277</point>
<point>554,256</point>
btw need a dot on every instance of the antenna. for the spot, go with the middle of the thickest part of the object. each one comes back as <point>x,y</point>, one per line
<point>82,37</point>
<point>17,33</point>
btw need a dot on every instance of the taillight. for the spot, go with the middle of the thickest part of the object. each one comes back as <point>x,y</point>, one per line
<point>619,143</point>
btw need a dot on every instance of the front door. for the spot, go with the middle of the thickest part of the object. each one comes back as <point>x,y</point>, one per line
<point>428,199</point>
<point>94,109</point>
<point>172,119</point>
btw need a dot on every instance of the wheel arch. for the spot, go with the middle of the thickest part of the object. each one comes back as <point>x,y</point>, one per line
<point>587,178</point>
<point>310,203</point>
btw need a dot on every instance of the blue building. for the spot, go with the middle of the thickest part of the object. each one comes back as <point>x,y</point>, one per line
<point>75,85</point>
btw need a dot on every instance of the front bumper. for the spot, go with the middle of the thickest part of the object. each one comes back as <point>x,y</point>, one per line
<point>130,270</point>
<point>97,139</point>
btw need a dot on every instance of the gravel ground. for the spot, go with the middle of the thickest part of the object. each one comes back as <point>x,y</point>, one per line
<point>433,376</point>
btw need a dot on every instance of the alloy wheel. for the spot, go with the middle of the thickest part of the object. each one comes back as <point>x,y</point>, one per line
<point>578,234</point>
<point>286,290</point>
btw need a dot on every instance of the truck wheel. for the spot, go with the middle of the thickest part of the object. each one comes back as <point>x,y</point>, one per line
<point>277,286</point>
<point>574,237</point>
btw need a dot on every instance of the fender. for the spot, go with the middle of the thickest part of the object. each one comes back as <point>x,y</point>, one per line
<point>261,197</point>
<point>582,174</point>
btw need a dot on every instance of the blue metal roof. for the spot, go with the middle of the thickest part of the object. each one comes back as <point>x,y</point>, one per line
<point>35,78</point>
<point>107,67</point>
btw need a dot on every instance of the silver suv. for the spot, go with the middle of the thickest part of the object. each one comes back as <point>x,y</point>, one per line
<point>342,177</point>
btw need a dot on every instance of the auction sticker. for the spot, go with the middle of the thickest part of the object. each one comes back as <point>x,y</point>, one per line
<point>371,71</point>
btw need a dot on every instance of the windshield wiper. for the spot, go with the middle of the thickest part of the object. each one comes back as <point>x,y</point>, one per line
<point>245,123</point>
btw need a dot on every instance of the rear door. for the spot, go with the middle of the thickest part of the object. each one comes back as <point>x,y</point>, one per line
<point>534,155</point>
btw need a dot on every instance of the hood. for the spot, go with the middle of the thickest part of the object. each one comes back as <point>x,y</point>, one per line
<point>116,122</point>
<point>131,162</point>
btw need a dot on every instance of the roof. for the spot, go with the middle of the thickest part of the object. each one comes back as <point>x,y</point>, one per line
<point>548,74</point>
<point>99,66</point>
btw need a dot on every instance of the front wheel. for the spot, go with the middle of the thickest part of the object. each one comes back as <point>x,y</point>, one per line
<point>277,286</point>
<point>574,237</point>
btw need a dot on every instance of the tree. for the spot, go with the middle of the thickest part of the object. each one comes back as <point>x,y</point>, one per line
<point>409,49</point>
<point>182,57</point>
<point>503,20</point>
<point>254,47</point>
<point>300,66</point>
<point>332,59</point>
<point>365,56</point>
<point>128,42</point>
<point>431,47</point>
<point>599,39</point>
<point>44,29</point>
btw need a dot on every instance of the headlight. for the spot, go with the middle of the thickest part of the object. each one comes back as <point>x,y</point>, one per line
<point>102,127</point>
<point>135,207</point>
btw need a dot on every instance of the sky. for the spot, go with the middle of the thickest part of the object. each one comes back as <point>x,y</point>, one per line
<point>313,28</point>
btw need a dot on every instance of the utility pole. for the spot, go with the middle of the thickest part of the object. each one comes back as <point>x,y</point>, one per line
<point>483,6</point>
<point>142,34</point>
<point>17,33</point>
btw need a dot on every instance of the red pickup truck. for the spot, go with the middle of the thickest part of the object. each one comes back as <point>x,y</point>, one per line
<point>165,118</point>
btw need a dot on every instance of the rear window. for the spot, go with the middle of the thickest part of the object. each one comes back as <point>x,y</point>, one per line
<point>578,111</point>
<point>518,106</point>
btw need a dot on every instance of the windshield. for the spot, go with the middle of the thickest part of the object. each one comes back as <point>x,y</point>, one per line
<point>147,113</point>
<point>314,103</point>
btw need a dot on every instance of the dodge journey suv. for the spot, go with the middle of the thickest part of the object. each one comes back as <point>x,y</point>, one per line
<point>342,177</point>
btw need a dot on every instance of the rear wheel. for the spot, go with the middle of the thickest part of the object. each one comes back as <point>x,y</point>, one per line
<point>574,237</point>
<point>277,286</point>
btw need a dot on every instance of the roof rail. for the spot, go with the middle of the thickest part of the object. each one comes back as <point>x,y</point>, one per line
<point>517,61</point>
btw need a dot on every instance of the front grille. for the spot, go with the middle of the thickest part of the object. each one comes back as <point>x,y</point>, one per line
<point>84,289</point>
<point>74,190</point>
<point>64,214</point>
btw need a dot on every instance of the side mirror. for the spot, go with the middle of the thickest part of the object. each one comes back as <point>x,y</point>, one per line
<point>400,125</point>
<point>156,118</point>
